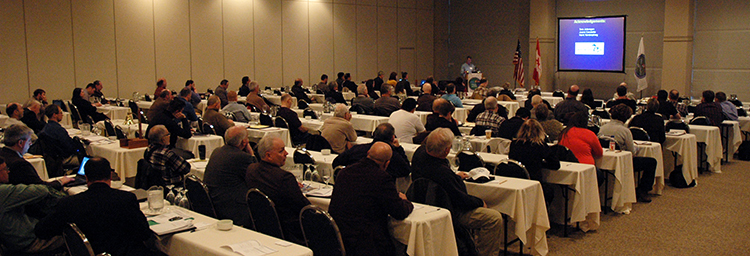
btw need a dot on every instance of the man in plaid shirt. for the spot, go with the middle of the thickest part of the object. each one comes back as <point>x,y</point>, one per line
<point>160,156</point>
<point>489,117</point>
<point>674,98</point>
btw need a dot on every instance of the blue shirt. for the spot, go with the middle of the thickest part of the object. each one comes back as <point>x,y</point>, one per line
<point>453,99</point>
<point>730,110</point>
<point>189,110</point>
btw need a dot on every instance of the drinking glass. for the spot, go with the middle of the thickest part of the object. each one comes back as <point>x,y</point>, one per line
<point>155,199</point>
<point>326,176</point>
<point>85,128</point>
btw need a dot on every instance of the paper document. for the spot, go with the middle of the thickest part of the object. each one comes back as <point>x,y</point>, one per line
<point>250,248</point>
<point>170,222</point>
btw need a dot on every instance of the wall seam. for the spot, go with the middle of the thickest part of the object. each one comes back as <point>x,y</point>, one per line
<point>153,24</point>
<point>26,45</point>
<point>73,44</point>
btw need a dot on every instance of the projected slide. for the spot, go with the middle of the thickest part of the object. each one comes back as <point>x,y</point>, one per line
<point>591,44</point>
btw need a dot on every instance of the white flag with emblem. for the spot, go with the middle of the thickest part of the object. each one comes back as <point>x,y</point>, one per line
<point>640,68</point>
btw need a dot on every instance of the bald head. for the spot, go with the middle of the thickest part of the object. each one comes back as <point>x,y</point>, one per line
<point>380,152</point>
<point>573,91</point>
<point>427,88</point>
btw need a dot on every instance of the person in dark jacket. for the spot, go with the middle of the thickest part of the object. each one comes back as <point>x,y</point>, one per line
<point>363,198</point>
<point>85,108</point>
<point>169,118</point>
<point>31,111</point>
<point>299,92</point>
<point>442,117</point>
<point>17,139</point>
<point>509,128</point>
<point>651,122</point>
<point>425,101</point>
<point>399,166</point>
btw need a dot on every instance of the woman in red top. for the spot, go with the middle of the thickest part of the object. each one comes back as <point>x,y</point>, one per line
<point>581,141</point>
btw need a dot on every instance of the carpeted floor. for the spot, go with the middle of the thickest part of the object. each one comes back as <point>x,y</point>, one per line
<point>712,218</point>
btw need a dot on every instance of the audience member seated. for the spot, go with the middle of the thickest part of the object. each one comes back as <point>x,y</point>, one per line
<point>424,102</point>
<point>322,86</point>
<point>378,81</point>
<point>160,104</point>
<point>489,117</point>
<point>254,98</point>
<point>221,92</point>
<point>239,111</point>
<point>451,96</point>
<point>279,185</point>
<point>628,94</point>
<point>406,123</point>
<point>98,92</point>
<point>89,94</point>
<point>506,91</point>
<point>651,122</point>
<point>212,116</point>
<point>509,128</point>
<point>386,104</point>
<point>85,108</point>
<point>244,89</point>
<point>550,126</point>
<point>363,199</point>
<point>189,109</point>
<point>371,89</point>
<point>405,84</point>
<point>301,93</point>
<point>666,109</point>
<point>399,164</point>
<point>537,100</point>
<point>479,108</point>
<point>297,131</point>
<point>110,218</point>
<point>66,146</point>
<point>710,109</point>
<point>616,128</point>
<point>532,151</point>
<point>581,141</point>
<point>334,94</point>
<point>31,110</point>
<point>569,105</point>
<point>481,91</point>
<point>529,104</point>
<point>430,162</point>
<point>338,131</point>
<point>622,98</point>
<point>363,99</point>
<point>728,108</point>
<point>163,159</point>
<point>587,98</point>
<point>169,118</point>
<point>674,99</point>
<point>442,117</point>
<point>17,234</point>
<point>195,97</point>
<point>349,84</point>
<point>17,139</point>
<point>15,113</point>
<point>41,96</point>
<point>225,176</point>
<point>161,84</point>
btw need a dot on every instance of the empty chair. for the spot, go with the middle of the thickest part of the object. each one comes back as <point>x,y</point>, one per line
<point>511,168</point>
<point>639,133</point>
<point>109,128</point>
<point>61,104</point>
<point>320,231</point>
<point>479,130</point>
<point>197,194</point>
<point>563,153</point>
<point>677,125</point>
<point>75,116</point>
<point>77,243</point>
<point>119,133</point>
<point>263,214</point>
<point>601,113</point>
<point>317,143</point>
<point>302,104</point>
<point>467,160</point>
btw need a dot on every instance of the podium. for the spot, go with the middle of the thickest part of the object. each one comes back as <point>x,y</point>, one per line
<point>472,81</point>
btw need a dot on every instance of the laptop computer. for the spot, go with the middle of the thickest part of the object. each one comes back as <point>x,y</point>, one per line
<point>80,178</point>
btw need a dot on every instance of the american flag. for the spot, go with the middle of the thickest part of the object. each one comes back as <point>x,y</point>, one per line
<point>518,73</point>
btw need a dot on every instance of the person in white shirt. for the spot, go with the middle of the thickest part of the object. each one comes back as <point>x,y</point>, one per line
<point>15,113</point>
<point>405,122</point>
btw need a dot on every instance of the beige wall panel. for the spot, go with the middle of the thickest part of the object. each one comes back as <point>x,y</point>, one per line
<point>295,30</point>
<point>722,15</point>
<point>425,4</point>
<point>387,39</point>
<point>407,3</point>
<point>267,28</point>
<point>345,41</point>
<point>367,2</point>
<point>321,41</point>
<point>424,46</point>
<point>13,68</point>
<point>367,42</point>
<point>342,2</point>
<point>238,42</point>
<point>172,41</point>
<point>722,49</point>
<point>134,37</point>
<point>207,49</point>
<point>406,61</point>
<point>728,81</point>
<point>407,27</point>
<point>94,42</point>
<point>50,47</point>
<point>388,3</point>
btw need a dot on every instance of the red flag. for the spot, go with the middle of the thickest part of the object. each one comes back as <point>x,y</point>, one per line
<point>518,73</point>
<point>538,68</point>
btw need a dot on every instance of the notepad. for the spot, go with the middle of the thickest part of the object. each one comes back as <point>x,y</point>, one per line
<point>249,248</point>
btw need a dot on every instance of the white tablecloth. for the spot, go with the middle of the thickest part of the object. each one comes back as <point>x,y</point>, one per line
<point>511,106</point>
<point>3,118</point>
<point>315,124</point>
<point>685,146</point>
<point>460,115</point>
<point>623,191</point>
<point>129,130</point>
<point>275,99</point>
<point>259,133</point>
<point>211,141</point>
<point>712,137</point>
<point>426,231</point>
<point>523,201</point>
<point>40,166</point>
<point>653,150</point>
<point>744,122</point>
<point>113,112</point>
<point>366,123</point>
<point>324,163</point>
<point>124,161</point>
<point>734,137</point>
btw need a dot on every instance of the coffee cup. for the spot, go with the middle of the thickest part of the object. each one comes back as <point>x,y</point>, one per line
<point>224,225</point>
<point>488,133</point>
<point>325,152</point>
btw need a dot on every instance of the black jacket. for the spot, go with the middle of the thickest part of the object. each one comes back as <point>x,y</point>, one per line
<point>399,166</point>
<point>439,171</point>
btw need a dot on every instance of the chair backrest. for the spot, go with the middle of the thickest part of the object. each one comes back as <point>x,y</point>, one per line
<point>594,128</point>
<point>467,160</point>
<point>558,93</point>
<point>119,133</point>
<point>133,108</point>
<point>280,122</point>
<point>76,241</point>
<point>700,120</point>
<point>479,130</point>
<point>381,112</point>
<point>301,104</point>
<point>511,168</point>
<point>563,153</point>
<point>208,128</point>
<point>197,194</point>
<point>604,141</point>
<point>263,214</point>
<point>677,125</point>
<point>309,112</point>
<point>252,107</point>
<point>317,143</point>
<point>639,133</point>
<point>61,104</point>
<point>109,128</point>
<point>265,119</point>
<point>74,114</point>
<point>320,231</point>
<point>146,176</point>
<point>601,113</point>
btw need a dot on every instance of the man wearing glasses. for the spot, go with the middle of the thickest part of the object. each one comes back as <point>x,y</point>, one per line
<point>18,138</point>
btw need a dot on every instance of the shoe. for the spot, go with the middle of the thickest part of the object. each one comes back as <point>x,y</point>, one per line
<point>643,197</point>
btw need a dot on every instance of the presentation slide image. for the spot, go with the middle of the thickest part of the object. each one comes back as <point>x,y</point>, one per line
<point>589,48</point>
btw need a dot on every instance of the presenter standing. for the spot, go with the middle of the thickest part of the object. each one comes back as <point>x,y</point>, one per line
<point>467,67</point>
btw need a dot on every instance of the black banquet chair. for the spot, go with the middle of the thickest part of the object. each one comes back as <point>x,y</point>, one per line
<point>197,194</point>
<point>77,243</point>
<point>639,134</point>
<point>511,168</point>
<point>320,231</point>
<point>263,213</point>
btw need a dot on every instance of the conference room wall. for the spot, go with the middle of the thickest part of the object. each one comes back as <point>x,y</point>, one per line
<point>720,51</point>
<point>129,44</point>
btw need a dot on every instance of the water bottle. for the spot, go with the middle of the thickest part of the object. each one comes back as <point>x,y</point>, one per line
<point>612,144</point>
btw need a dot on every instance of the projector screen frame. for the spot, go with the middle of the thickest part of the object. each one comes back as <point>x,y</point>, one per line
<point>624,43</point>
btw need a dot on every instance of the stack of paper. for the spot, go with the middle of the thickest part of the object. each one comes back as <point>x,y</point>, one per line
<point>250,248</point>
<point>171,222</point>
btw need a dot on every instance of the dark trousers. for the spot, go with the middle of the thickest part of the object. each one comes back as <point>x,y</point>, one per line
<point>647,165</point>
